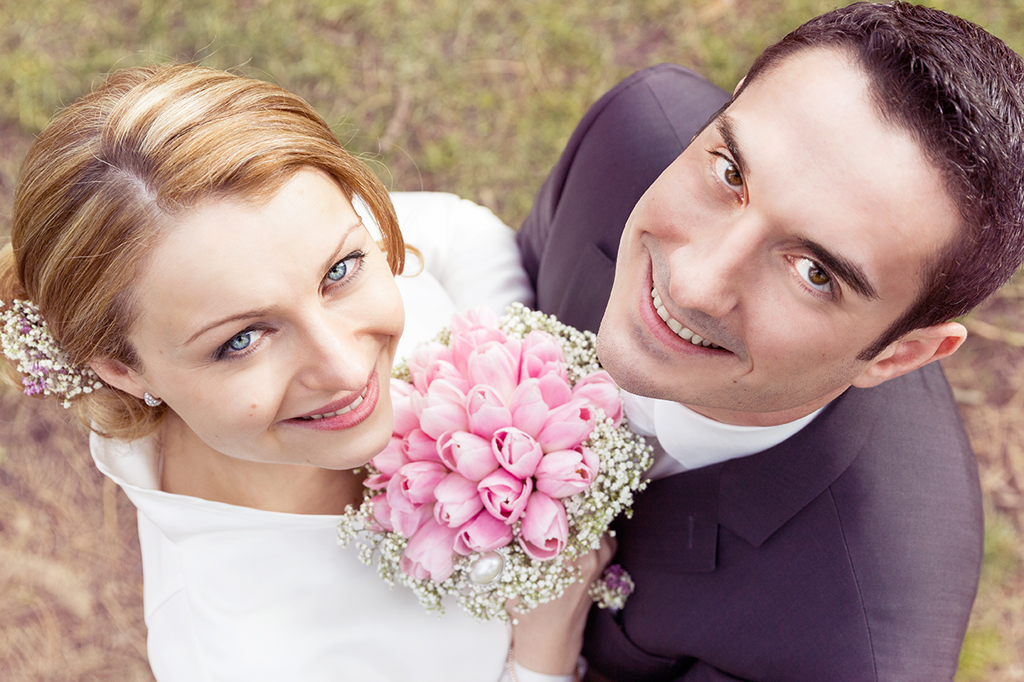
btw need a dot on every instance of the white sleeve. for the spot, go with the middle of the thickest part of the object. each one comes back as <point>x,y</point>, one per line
<point>465,247</point>
<point>527,675</point>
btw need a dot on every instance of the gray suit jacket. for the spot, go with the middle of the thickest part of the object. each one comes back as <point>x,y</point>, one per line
<point>851,551</point>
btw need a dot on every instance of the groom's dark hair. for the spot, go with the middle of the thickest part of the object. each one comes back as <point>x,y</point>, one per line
<point>958,90</point>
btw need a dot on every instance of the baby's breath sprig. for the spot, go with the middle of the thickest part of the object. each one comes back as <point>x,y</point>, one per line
<point>26,340</point>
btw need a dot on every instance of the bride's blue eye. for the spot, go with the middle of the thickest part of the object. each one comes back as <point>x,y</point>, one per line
<point>240,344</point>
<point>242,341</point>
<point>339,270</point>
<point>345,267</point>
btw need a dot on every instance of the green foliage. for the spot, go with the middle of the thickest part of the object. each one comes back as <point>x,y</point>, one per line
<point>1002,558</point>
<point>984,649</point>
<point>475,98</point>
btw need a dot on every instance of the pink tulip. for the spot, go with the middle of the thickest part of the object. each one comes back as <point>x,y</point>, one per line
<point>407,521</point>
<point>504,495</point>
<point>390,460</point>
<point>458,501</point>
<point>441,369</point>
<point>600,391</point>
<point>486,411</point>
<point>467,453</point>
<point>381,514</point>
<point>414,483</point>
<point>516,451</point>
<point>567,426</point>
<point>566,472</point>
<point>555,389</point>
<point>482,534</point>
<point>544,530</point>
<point>465,342</point>
<point>529,411</point>
<point>477,318</point>
<point>496,365</point>
<point>406,417</point>
<point>419,447</point>
<point>541,355</point>
<point>429,552</point>
<point>444,411</point>
<point>400,389</point>
<point>423,356</point>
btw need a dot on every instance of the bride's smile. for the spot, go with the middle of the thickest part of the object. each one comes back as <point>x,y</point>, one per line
<point>269,329</point>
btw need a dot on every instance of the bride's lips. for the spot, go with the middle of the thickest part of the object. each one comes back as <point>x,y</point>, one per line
<point>345,413</point>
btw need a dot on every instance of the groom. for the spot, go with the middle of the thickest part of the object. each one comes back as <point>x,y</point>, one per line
<point>772,296</point>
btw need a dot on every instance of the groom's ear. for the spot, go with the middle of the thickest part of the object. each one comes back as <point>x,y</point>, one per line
<point>117,374</point>
<point>915,349</point>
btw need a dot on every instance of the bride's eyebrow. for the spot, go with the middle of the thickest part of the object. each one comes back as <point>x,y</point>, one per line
<point>339,252</point>
<point>260,312</point>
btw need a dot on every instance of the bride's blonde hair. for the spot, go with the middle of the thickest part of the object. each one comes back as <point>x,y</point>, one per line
<point>114,169</point>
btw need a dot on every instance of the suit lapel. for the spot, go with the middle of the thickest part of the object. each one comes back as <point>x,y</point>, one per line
<point>675,521</point>
<point>760,493</point>
<point>685,540</point>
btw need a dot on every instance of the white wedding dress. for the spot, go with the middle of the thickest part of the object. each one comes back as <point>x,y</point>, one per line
<point>233,593</point>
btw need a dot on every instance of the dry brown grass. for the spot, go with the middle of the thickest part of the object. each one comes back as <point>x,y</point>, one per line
<point>70,567</point>
<point>988,377</point>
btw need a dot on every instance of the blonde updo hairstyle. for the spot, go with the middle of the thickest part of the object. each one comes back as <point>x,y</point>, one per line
<point>111,173</point>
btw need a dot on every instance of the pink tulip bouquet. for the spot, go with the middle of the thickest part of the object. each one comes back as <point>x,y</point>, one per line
<point>508,461</point>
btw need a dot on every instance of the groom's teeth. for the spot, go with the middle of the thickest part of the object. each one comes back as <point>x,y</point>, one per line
<point>675,325</point>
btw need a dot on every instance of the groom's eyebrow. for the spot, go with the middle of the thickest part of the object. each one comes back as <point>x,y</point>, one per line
<point>727,130</point>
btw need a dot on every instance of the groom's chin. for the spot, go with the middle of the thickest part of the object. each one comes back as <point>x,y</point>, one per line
<point>619,356</point>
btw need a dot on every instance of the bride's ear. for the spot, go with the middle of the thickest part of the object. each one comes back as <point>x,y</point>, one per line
<point>119,375</point>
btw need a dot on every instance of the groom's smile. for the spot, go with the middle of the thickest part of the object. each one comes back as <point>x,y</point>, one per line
<point>781,237</point>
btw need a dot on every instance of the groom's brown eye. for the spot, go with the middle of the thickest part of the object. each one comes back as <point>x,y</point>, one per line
<point>818,276</point>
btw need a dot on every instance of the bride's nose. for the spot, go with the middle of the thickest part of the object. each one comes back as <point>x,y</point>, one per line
<point>335,355</point>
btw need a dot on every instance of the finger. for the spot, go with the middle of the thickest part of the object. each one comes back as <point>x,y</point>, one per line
<point>609,545</point>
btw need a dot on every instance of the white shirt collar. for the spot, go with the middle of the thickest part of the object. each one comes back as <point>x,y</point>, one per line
<point>687,440</point>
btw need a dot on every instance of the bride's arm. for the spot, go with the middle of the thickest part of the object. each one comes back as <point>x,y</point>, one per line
<point>465,247</point>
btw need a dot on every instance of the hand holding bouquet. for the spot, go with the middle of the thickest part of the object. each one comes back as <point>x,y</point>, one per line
<point>508,461</point>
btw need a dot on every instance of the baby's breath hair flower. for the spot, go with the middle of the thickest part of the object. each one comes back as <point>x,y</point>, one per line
<point>26,340</point>
<point>509,460</point>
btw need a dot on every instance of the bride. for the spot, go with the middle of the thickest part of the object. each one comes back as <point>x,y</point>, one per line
<point>208,278</point>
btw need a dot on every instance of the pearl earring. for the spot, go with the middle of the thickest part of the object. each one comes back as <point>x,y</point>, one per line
<point>152,401</point>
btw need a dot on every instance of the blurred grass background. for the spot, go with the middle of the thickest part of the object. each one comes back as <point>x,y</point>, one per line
<point>475,97</point>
